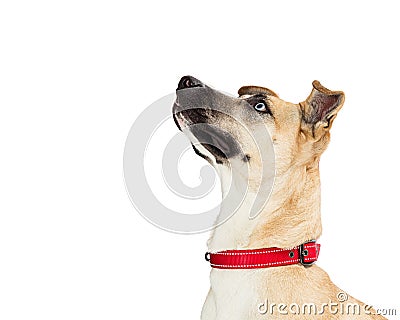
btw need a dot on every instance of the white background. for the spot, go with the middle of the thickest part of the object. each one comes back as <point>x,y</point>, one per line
<point>74,75</point>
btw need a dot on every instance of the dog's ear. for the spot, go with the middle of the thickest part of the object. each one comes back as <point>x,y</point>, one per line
<point>320,108</point>
<point>251,90</point>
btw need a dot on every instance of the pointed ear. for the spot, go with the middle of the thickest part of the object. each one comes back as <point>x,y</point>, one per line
<point>321,107</point>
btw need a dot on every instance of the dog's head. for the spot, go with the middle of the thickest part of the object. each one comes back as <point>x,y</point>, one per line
<point>224,128</point>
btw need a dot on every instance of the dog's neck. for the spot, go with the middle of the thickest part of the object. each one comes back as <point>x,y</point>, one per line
<point>290,217</point>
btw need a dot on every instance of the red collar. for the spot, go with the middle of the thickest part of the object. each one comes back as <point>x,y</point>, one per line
<point>305,254</point>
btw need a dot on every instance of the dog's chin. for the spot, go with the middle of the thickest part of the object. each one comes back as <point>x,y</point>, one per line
<point>220,144</point>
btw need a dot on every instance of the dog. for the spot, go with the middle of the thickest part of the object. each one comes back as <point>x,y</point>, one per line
<point>232,134</point>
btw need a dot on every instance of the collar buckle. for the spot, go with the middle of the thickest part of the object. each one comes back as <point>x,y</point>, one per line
<point>303,252</point>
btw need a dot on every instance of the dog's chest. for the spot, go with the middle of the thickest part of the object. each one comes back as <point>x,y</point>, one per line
<point>237,292</point>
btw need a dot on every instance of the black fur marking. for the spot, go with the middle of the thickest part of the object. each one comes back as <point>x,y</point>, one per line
<point>246,158</point>
<point>196,151</point>
<point>218,159</point>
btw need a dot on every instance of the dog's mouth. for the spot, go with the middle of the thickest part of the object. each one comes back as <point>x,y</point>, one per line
<point>218,142</point>
<point>184,118</point>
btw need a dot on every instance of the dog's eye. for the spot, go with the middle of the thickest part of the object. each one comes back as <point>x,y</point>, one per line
<point>260,107</point>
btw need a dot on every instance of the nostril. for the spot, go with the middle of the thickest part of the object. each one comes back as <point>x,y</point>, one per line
<point>185,82</point>
<point>189,82</point>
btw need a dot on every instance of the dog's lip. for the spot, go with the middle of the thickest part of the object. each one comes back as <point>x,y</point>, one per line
<point>180,121</point>
<point>178,116</point>
<point>185,117</point>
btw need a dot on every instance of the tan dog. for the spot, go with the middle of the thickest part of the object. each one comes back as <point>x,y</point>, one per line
<point>291,216</point>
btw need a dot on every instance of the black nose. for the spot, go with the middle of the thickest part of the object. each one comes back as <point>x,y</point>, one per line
<point>189,82</point>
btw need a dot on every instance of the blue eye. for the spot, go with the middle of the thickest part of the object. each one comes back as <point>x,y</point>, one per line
<point>260,106</point>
